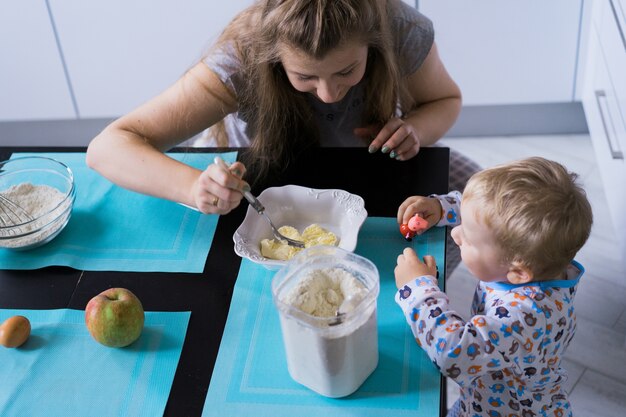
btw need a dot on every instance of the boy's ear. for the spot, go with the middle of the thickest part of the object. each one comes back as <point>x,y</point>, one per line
<point>519,273</point>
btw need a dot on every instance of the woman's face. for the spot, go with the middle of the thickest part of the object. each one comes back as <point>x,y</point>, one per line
<point>329,78</point>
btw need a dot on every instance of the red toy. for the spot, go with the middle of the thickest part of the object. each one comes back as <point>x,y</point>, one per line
<point>416,223</point>
<point>406,232</point>
<point>410,229</point>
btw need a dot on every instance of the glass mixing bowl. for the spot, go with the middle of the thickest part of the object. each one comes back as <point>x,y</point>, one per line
<point>36,200</point>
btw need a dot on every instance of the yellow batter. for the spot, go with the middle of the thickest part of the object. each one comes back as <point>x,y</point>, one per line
<point>311,236</point>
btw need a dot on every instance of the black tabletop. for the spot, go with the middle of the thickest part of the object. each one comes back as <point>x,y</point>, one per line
<point>382,182</point>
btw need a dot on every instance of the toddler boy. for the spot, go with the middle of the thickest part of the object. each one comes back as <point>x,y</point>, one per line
<point>522,224</point>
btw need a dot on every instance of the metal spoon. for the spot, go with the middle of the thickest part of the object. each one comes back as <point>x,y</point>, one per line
<point>347,305</point>
<point>256,204</point>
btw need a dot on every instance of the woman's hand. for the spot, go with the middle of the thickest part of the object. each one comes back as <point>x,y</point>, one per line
<point>428,209</point>
<point>397,137</point>
<point>409,267</point>
<point>218,191</point>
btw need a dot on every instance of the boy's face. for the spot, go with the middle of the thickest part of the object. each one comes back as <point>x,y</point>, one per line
<point>479,251</point>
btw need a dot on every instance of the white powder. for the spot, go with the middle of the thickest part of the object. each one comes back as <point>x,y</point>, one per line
<point>321,291</point>
<point>331,360</point>
<point>37,201</point>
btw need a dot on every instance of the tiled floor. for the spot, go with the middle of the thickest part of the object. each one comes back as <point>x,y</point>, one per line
<point>596,358</point>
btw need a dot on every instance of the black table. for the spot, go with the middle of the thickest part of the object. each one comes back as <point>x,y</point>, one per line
<point>382,182</point>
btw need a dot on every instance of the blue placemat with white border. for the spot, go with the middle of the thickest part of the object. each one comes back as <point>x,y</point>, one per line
<point>114,229</point>
<point>250,377</point>
<point>61,371</point>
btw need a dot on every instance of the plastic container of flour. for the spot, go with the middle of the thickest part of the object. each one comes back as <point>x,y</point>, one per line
<point>331,356</point>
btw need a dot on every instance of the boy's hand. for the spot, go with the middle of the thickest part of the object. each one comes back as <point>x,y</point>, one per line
<point>428,208</point>
<point>410,267</point>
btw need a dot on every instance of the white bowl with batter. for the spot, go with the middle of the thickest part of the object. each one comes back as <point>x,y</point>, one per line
<point>337,211</point>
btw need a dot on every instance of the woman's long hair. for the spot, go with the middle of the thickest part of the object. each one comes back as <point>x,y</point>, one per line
<point>279,118</point>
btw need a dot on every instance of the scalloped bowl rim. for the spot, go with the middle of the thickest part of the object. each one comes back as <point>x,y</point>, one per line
<point>300,207</point>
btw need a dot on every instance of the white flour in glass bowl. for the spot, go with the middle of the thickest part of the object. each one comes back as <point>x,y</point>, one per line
<point>36,201</point>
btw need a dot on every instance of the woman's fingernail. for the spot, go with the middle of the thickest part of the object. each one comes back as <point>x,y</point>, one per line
<point>372,149</point>
<point>385,149</point>
<point>246,188</point>
<point>236,172</point>
<point>392,154</point>
<point>398,158</point>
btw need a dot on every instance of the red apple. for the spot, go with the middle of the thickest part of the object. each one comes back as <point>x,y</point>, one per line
<point>115,317</point>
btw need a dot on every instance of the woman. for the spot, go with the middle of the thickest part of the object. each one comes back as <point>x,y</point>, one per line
<point>283,76</point>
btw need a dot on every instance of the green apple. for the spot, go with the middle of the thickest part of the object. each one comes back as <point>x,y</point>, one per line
<point>114,317</point>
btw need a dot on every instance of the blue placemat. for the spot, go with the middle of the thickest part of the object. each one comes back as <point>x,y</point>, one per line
<point>62,371</point>
<point>250,377</point>
<point>113,229</point>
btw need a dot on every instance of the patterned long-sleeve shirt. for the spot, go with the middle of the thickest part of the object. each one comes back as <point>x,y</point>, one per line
<point>507,357</point>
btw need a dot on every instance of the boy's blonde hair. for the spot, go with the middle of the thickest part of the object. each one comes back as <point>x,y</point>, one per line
<point>539,215</point>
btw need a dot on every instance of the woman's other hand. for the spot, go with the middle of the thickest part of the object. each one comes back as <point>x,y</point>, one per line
<point>396,138</point>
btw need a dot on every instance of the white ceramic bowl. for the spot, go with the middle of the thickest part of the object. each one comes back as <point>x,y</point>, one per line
<point>335,210</point>
<point>26,174</point>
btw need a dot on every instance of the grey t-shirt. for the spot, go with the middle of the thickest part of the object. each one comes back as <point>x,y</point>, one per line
<point>413,38</point>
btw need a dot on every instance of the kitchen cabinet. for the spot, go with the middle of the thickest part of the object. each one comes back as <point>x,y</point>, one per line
<point>509,52</point>
<point>121,53</point>
<point>604,101</point>
<point>118,54</point>
<point>32,80</point>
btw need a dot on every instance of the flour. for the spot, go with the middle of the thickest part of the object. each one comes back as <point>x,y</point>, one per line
<point>46,204</point>
<point>321,291</point>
